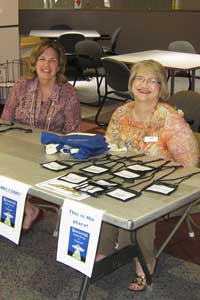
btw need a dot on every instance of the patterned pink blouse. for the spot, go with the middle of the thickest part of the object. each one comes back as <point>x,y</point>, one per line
<point>63,103</point>
<point>166,134</point>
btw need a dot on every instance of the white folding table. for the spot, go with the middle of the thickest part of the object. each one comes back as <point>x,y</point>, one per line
<point>89,34</point>
<point>21,154</point>
<point>169,59</point>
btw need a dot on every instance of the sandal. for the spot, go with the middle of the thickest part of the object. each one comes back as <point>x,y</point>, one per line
<point>138,284</point>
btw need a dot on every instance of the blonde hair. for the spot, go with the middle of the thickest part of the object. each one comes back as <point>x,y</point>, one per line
<point>38,50</point>
<point>154,67</point>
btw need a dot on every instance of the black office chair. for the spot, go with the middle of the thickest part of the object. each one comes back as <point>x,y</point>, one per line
<point>111,50</point>
<point>89,55</point>
<point>189,103</point>
<point>116,79</point>
<point>69,41</point>
<point>185,47</point>
<point>60,27</point>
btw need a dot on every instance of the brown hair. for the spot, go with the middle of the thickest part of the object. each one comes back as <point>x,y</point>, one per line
<point>38,50</point>
<point>157,69</point>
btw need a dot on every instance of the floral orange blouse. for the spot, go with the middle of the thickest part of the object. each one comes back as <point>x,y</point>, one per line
<point>166,134</point>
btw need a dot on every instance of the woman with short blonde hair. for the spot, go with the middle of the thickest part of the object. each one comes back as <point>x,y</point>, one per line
<point>147,125</point>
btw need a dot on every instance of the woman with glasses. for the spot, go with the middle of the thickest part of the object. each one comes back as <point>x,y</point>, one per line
<point>44,99</point>
<point>150,126</point>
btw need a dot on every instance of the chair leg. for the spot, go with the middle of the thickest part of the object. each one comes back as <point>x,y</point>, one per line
<point>99,110</point>
<point>98,81</point>
<point>190,81</point>
<point>189,225</point>
<point>102,104</point>
<point>169,74</point>
<point>75,80</point>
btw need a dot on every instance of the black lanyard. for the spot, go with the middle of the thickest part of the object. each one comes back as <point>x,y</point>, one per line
<point>26,130</point>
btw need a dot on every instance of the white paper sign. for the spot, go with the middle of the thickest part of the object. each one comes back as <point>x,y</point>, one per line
<point>62,188</point>
<point>12,202</point>
<point>78,236</point>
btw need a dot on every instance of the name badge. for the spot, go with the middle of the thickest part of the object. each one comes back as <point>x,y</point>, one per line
<point>151,139</point>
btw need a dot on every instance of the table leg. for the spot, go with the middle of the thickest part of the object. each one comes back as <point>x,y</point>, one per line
<point>84,288</point>
<point>174,230</point>
<point>114,261</point>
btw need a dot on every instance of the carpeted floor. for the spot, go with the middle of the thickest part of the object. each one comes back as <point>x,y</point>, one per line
<point>30,272</point>
<point>181,245</point>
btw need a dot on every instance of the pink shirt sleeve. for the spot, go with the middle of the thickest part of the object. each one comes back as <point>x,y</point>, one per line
<point>181,141</point>
<point>72,111</point>
<point>11,102</point>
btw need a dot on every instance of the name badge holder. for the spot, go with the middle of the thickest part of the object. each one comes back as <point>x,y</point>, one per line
<point>74,178</point>
<point>55,166</point>
<point>126,174</point>
<point>141,168</point>
<point>107,185</point>
<point>160,187</point>
<point>123,195</point>
<point>90,189</point>
<point>95,169</point>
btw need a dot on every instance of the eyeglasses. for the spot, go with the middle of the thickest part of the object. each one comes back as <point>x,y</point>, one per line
<point>149,81</point>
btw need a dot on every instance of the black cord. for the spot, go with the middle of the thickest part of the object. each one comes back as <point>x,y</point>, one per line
<point>183,178</point>
<point>26,130</point>
<point>149,177</point>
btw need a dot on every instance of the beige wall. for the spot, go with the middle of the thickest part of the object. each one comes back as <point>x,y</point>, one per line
<point>9,32</point>
<point>190,4</point>
<point>8,12</point>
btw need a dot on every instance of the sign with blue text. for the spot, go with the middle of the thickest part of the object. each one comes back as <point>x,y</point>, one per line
<point>78,236</point>
<point>12,202</point>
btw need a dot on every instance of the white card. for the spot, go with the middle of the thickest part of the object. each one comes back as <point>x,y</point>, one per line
<point>106,183</point>
<point>54,166</point>
<point>126,174</point>
<point>160,188</point>
<point>95,169</point>
<point>151,139</point>
<point>74,178</point>
<point>141,168</point>
<point>121,194</point>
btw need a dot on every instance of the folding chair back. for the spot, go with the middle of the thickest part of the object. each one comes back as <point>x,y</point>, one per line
<point>189,103</point>
<point>116,80</point>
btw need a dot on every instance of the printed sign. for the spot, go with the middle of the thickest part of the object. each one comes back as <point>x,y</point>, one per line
<point>78,236</point>
<point>12,202</point>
